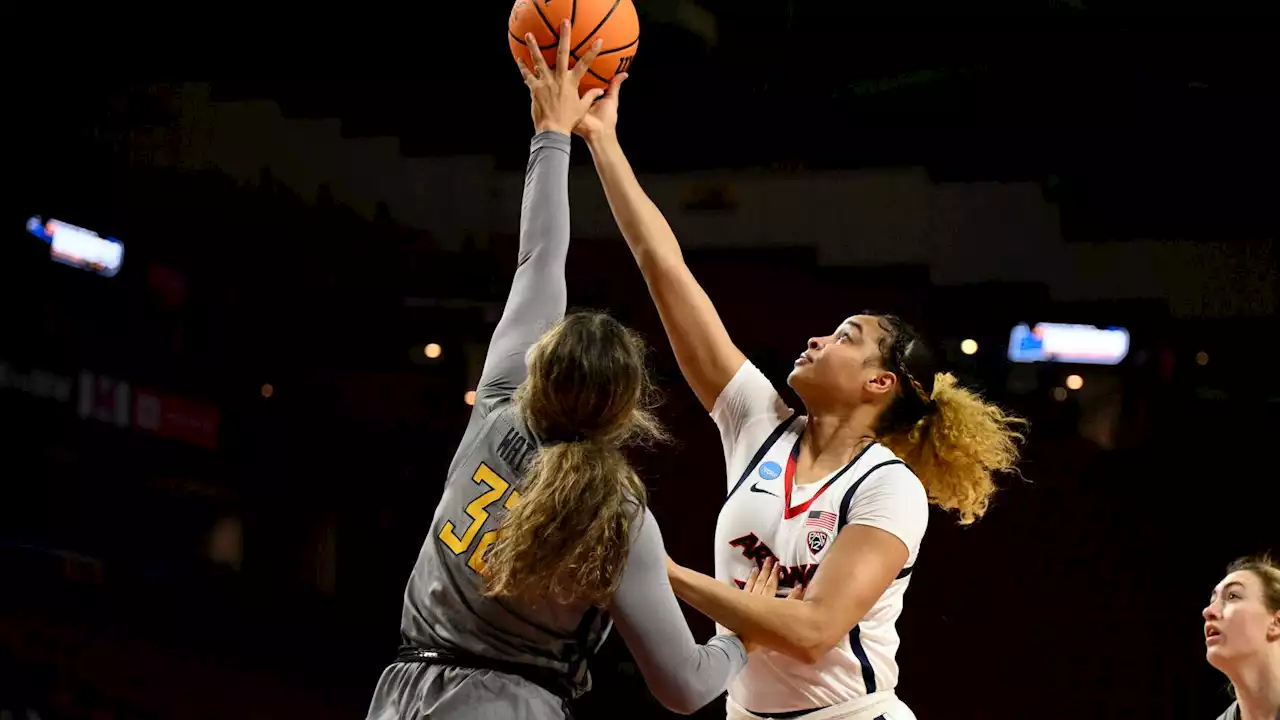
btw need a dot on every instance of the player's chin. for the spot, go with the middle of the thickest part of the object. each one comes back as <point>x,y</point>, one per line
<point>799,374</point>
<point>1216,655</point>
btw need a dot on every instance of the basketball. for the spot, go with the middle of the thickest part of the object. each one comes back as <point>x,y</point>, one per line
<point>614,22</point>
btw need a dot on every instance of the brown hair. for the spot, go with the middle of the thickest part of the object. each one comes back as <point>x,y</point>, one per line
<point>952,439</point>
<point>1267,571</point>
<point>588,395</point>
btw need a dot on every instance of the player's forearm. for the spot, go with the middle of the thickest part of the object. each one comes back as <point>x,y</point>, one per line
<point>544,207</point>
<point>682,675</point>
<point>702,346</point>
<point>697,678</point>
<point>642,224</point>
<point>789,626</point>
<point>538,292</point>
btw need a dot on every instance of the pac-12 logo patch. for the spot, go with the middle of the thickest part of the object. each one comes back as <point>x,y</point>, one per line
<point>817,540</point>
<point>770,470</point>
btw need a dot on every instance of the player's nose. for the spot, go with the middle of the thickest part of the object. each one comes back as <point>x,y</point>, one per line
<point>1210,611</point>
<point>817,343</point>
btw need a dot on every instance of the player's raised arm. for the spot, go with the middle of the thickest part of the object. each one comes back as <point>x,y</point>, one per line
<point>680,673</point>
<point>538,295</point>
<point>707,356</point>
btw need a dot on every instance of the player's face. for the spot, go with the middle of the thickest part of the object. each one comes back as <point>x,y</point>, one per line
<point>845,364</point>
<point>1237,623</point>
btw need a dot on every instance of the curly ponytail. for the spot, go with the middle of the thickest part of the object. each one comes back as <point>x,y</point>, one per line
<point>952,439</point>
<point>956,449</point>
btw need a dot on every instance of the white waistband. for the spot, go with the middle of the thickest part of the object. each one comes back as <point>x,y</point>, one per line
<point>866,707</point>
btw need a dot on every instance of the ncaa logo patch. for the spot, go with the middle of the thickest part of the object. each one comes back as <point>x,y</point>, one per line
<point>770,470</point>
<point>816,541</point>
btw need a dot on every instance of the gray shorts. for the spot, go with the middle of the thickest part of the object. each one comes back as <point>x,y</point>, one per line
<point>415,691</point>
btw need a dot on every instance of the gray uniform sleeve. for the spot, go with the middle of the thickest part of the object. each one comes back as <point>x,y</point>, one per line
<point>538,294</point>
<point>681,674</point>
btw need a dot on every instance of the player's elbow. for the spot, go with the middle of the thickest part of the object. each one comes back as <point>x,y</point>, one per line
<point>661,264</point>
<point>815,638</point>
<point>807,647</point>
<point>681,698</point>
<point>812,653</point>
<point>686,690</point>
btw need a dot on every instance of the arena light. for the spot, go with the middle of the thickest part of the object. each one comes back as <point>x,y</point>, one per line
<point>1202,358</point>
<point>78,247</point>
<point>432,350</point>
<point>1074,382</point>
<point>1063,343</point>
<point>470,397</point>
<point>969,347</point>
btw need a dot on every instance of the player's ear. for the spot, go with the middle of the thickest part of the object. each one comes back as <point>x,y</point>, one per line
<point>881,382</point>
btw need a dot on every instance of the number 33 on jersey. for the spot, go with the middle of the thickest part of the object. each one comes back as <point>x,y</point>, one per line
<point>478,512</point>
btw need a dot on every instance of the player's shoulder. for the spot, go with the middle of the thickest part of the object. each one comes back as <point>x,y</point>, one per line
<point>882,472</point>
<point>509,437</point>
<point>748,395</point>
<point>878,462</point>
<point>499,439</point>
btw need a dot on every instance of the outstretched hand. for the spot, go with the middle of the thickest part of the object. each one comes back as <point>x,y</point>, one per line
<point>602,118</point>
<point>556,104</point>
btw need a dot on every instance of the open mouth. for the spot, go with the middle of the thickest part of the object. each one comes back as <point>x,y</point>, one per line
<point>1210,633</point>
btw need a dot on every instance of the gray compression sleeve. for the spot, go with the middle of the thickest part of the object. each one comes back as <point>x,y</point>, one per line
<point>681,674</point>
<point>538,294</point>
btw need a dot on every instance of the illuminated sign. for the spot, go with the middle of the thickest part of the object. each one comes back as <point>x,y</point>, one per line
<point>1055,342</point>
<point>37,383</point>
<point>78,247</point>
<point>117,402</point>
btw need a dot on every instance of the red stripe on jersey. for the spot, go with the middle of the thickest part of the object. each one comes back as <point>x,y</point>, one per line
<point>789,480</point>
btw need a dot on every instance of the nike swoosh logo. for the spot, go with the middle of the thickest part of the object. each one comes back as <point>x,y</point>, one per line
<point>755,487</point>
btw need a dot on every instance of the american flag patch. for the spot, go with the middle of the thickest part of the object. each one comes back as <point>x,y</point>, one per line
<point>821,519</point>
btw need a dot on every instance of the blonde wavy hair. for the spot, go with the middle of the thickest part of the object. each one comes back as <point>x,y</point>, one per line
<point>588,395</point>
<point>955,441</point>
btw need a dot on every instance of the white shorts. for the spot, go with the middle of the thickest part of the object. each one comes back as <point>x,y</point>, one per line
<point>883,705</point>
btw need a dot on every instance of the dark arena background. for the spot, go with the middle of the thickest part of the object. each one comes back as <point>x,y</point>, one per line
<point>217,466</point>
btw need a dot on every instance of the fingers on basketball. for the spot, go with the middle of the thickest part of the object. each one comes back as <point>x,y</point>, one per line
<point>615,86</point>
<point>539,62</point>
<point>565,47</point>
<point>525,73</point>
<point>584,65</point>
<point>613,22</point>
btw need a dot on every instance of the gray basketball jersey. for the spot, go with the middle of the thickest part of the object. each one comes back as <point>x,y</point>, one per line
<point>445,606</point>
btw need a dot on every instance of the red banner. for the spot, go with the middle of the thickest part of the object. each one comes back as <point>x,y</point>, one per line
<point>176,418</point>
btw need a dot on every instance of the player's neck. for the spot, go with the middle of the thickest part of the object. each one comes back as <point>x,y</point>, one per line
<point>1258,691</point>
<point>834,439</point>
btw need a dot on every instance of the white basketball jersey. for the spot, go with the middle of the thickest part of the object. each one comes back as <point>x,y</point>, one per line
<point>766,515</point>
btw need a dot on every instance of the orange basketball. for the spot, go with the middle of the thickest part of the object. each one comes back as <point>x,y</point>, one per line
<point>613,21</point>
